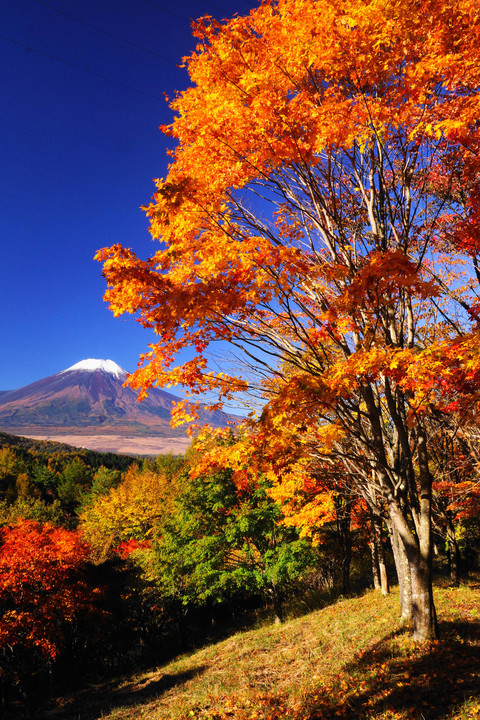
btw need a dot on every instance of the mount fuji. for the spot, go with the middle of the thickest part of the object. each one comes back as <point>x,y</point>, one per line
<point>89,398</point>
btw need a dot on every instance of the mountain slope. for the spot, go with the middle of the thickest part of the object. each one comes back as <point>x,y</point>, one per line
<point>346,661</point>
<point>89,396</point>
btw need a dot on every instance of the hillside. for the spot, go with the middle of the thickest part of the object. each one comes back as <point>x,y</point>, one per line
<point>31,447</point>
<point>348,660</point>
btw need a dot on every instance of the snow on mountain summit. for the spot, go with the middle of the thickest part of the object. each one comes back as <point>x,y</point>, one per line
<point>106,365</point>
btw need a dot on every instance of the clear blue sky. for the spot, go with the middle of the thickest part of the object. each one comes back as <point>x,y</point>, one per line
<point>79,149</point>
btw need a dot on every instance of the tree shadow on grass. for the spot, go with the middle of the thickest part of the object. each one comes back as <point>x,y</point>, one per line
<point>96,700</point>
<point>426,682</point>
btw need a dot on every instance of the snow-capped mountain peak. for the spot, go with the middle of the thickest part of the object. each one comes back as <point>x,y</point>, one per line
<point>91,396</point>
<point>91,364</point>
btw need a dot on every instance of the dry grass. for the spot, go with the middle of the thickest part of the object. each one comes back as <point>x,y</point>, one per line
<point>349,660</point>
<point>118,443</point>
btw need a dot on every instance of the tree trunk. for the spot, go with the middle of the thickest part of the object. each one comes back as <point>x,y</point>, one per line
<point>403,574</point>
<point>380,555</point>
<point>277,605</point>
<point>418,549</point>
<point>425,625</point>
<point>346,560</point>
<point>344,512</point>
<point>422,604</point>
<point>453,552</point>
<point>407,497</point>
<point>374,556</point>
<point>418,582</point>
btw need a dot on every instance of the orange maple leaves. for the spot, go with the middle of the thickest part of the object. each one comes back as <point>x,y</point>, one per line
<point>41,585</point>
<point>348,142</point>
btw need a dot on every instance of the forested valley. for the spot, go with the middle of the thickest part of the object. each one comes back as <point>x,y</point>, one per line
<point>111,564</point>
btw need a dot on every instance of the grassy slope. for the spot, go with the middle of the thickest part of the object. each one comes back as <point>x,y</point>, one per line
<point>348,660</point>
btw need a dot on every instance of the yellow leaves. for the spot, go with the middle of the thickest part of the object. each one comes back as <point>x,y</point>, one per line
<point>305,505</point>
<point>435,130</point>
<point>327,435</point>
<point>126,512</point>
<point>365,365</point>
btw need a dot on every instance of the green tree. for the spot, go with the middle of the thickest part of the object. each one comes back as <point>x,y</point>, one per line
<point>220,540</point>
<point>104,479</point>
<point>169,464</point>
<point>9,469</point>
<point>74,479</point>
<point>45,479</point>
<point>32,508</point>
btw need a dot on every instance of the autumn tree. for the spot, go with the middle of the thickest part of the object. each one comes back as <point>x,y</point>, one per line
<point>456,488</point>
<point>57,556</point>
<point>319,214</point>
<point>43,593</point>
<point>128,511</point>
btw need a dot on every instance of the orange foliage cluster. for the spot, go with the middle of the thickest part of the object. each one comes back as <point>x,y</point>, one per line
<point>320,214</point>
<point>41,585</point>
<point>260,104</point>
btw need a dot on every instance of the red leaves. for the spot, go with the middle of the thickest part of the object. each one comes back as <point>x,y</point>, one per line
<point>41,587</point>
<point>128,547</point>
